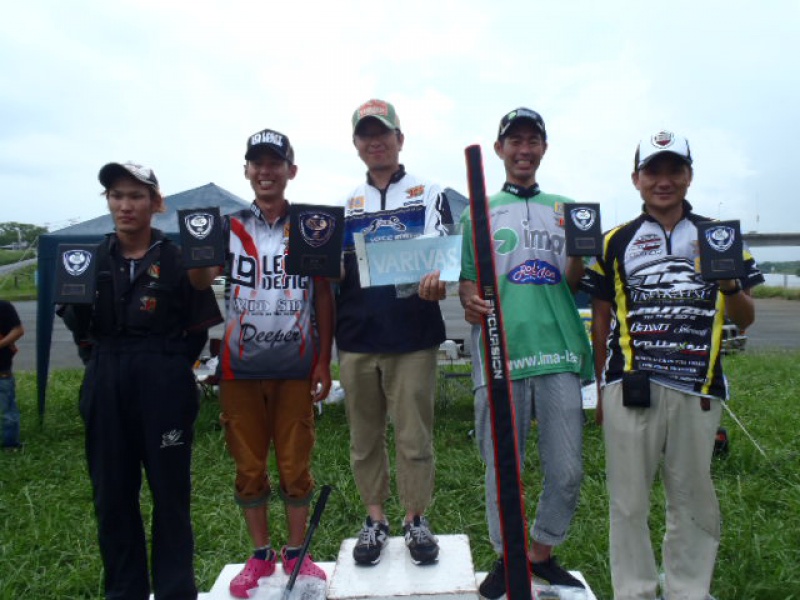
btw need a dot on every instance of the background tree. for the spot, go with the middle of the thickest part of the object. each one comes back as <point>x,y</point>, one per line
<point>13,232</point>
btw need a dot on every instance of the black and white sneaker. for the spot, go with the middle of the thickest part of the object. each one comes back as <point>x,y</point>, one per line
<point>553,573</point>
<point>421,543</point>
<point>372,539</point>
<point>494,585</point>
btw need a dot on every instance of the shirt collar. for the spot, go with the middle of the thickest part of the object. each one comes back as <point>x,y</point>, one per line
<point>396,176</point>
<point>520,191</point>
<point>685,206</point>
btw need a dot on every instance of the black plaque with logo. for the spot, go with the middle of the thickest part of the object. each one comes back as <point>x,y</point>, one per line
<point>720,246</point>
<point>76,267</point>
<point>582,229</point>
<point>201,237</point>
<point>315,240</point>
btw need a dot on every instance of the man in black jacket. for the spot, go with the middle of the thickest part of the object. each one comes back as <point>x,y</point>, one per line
<point>139,398</point>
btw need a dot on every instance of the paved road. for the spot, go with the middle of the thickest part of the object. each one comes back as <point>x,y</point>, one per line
<point>777,326</point>
<point>17,265</point>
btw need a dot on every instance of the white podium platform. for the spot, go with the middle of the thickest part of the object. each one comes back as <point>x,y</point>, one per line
<point>395,577</point>
<point>452,577</point>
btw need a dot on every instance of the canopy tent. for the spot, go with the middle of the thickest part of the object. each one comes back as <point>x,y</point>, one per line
<point>93,231</point>
<point>458,202</point>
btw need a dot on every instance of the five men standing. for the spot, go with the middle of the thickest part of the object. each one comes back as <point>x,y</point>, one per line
<point>657,359</point>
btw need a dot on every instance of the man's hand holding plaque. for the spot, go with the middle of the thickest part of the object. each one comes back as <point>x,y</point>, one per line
<point>315,240</point>
<point>201,237</point>
<point>720,247</point>
<point>76,267</point>
<point>582,229</point>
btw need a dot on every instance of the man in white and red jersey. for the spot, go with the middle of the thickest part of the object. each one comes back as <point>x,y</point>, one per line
<point>657,335</point>
<point>275,360</point>
<point>388,341</point>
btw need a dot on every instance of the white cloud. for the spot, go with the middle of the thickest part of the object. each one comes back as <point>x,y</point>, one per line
<point>180,85</point>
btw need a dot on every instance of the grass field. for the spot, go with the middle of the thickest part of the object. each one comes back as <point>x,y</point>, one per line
<point>19,285</point>
<point>11,256</point>
<point>48,545</point>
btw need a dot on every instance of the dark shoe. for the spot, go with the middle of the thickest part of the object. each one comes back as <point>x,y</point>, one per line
<point>551,572</point>
<point>421,543</point>
<point>13,448</point>
<point>494,585</point>
<point>372,540</point>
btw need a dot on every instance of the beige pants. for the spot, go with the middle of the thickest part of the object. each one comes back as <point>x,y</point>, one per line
<point>677,429</point>
<point>400,388</point>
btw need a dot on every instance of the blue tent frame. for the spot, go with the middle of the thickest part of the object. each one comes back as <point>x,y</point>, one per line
<point>92,232</point>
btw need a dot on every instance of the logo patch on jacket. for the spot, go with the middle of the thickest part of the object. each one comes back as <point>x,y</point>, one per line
<point>648,244</point>
<point>171,438</point>
<point>558,214</point>
<point>154,270</point>
<point>535,272</point>
<point>148,304</point>
<point>415,192</point>
<point>356,204</point>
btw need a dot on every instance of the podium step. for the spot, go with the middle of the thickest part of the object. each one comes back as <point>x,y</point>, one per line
<point>452,577</point>
<point>395,577</point>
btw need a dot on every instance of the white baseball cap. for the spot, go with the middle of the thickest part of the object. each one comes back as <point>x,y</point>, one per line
<point>659,143</point>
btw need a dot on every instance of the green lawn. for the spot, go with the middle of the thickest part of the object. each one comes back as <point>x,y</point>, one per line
<point>11,256</point>
<point>19,285</point>
<point>48,545</point>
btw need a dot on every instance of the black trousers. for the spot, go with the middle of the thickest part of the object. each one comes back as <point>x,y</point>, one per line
<point>139,404</point>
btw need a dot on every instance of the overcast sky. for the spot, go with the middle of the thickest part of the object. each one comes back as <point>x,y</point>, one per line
<point>180,85</point>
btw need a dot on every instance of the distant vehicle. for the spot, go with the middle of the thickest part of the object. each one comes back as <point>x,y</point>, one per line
<point>218,285</point>
<point>733,338</point>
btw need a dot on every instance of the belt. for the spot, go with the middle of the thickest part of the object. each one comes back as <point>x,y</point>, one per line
<point>135,345</point>
<point>6,375</point>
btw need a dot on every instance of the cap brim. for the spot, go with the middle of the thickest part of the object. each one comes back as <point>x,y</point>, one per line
<point>381,119</point>
<point>113,171</point>
<point>517,121</point>
<point>264,149</point>
<point>644,162</point>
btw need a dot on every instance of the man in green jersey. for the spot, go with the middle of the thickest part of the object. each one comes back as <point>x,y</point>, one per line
<point>548,349</point>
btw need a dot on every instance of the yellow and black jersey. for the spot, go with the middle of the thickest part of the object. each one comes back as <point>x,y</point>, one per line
<point>667,319</point>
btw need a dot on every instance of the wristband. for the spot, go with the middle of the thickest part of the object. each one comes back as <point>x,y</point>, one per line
<point>736,289</point>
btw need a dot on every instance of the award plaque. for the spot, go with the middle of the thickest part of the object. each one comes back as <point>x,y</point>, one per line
<point>582,229</point>
<point>201,237</point>
<point>720,246</point>
<point>315,240</point>
<point>76,267</point>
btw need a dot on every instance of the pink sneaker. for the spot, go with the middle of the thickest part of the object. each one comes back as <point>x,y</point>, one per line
<point>248,578</point>
<point>307,568</point>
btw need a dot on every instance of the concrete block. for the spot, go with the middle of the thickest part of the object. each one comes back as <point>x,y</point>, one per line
<point>452,577</point>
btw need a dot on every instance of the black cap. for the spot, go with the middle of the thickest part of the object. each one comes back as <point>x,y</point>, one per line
<point>521,113</point>
<point>110,172</point>
<point>267,139</point>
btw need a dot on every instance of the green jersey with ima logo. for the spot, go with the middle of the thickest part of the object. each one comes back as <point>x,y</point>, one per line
<point>544,333</point>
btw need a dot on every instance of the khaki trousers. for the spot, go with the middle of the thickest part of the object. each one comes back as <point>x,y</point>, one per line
<point>676,429</point>
<point>400,388</point>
